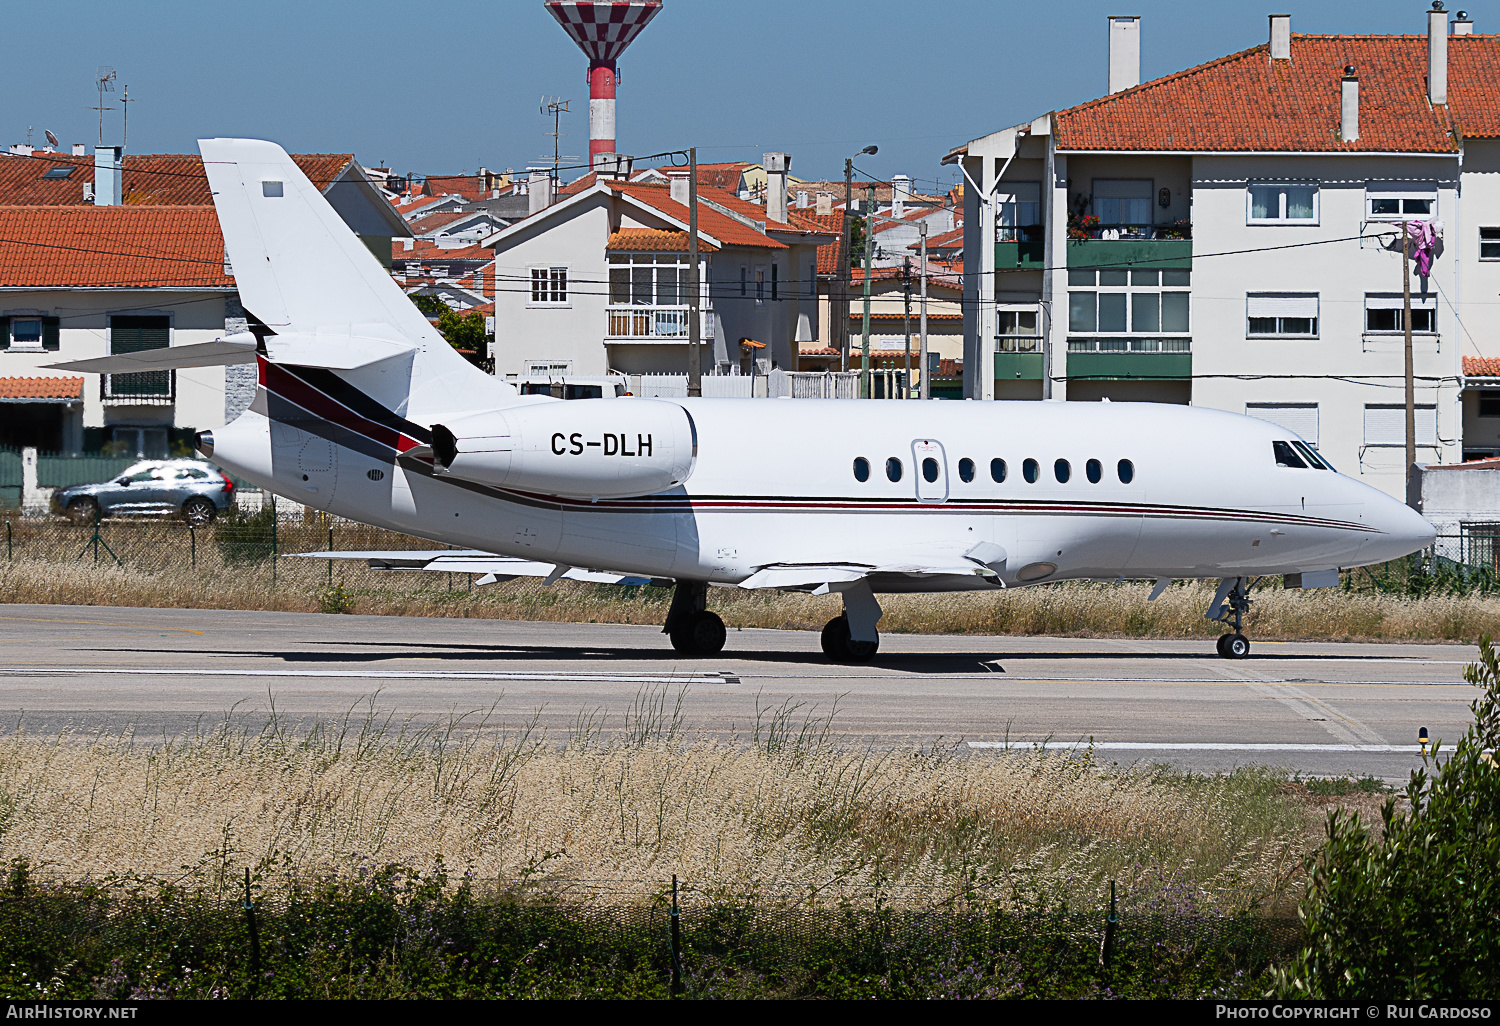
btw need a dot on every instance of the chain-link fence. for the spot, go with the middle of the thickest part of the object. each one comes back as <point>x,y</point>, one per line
<point>388,933</point>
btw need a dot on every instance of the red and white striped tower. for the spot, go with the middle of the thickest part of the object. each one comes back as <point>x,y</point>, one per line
<point>602,30</point>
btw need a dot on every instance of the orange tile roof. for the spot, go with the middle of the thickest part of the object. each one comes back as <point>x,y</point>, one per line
<point>710,221</point>
<point>41,388</point>
<point>432,222</point>
<point>1248,102</point>
<point>159,179</point>
<point>470,187</point>
<point>820,351</point>
<point>947,240</point>
<point>831,224</point>
<point>111,247</point>
<point>649,240</point>
<point>722,176</point>
<point>1481,367</point>
<point>426,250</point>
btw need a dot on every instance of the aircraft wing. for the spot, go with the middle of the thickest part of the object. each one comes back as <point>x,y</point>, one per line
<point>473,561</point>
<point>821,579</point>
<point>220,352</point>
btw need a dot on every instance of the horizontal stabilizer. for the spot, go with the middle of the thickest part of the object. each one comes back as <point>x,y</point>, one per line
<point>219,353</point>
<point>474,561</point>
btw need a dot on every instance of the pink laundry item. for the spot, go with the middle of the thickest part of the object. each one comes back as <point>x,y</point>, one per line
<point>1424,245</point>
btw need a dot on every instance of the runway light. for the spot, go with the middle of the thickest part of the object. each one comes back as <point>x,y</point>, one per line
<point>1422,739</point>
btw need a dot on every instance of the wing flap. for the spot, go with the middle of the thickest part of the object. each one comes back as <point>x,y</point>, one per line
<point>221,352</point>
<point>475,561</point>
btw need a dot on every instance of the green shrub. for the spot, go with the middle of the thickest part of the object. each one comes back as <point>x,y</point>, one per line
<point>1414,914</point>
<point>246,537</point>
<point>335,600</point>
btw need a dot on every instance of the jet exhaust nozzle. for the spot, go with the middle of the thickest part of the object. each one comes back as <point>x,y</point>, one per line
<point>585,448</point>
<point>203,441</point>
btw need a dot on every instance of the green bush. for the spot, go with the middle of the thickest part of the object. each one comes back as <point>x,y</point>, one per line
<point>246,537</point>
<point>1415,913</point>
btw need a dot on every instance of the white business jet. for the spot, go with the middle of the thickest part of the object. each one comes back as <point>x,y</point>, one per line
<point>365,411</point>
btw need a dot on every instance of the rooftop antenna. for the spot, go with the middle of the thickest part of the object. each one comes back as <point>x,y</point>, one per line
<point>125,102</point>
<point>555,107</point>
<point>28,135</point>
<point>104,79</point>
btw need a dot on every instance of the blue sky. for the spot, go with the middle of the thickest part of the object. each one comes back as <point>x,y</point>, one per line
<point>443,88</point>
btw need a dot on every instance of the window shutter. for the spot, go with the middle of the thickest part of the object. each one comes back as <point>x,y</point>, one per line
<point>51,334</point>
<point>1271,305</point>
<point>4,332</point>
<point>1386,425</point>
<point>138,334</point>
<point>1299,418</point>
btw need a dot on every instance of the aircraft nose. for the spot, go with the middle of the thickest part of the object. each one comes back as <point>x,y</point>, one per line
<point>1403,529</point>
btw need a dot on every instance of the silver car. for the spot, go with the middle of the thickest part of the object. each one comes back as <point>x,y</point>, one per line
<point>195,490</point>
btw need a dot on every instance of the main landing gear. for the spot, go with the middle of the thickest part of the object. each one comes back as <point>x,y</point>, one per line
<point>851,637</point>
<point>692,628</point>
<point>1230,604</point>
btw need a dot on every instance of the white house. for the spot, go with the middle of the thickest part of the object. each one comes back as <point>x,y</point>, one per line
<point>1228,236</point>
<point>596,283</point>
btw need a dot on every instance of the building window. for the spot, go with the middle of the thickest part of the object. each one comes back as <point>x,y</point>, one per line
<point>30,334</point>
<point>648,279</point>
<point>1016,330</point>
<point>775,282</point>
<point>1019,213</point>
<point>1489,243</point>
<point>760,284</point>
<point>1135,302</point>
<point>133,334</point>
<point>1385,425</point>
<point>744,277</point>
<point>549,286</point>
<point>1281,203</point>
<point>1299,418</point>
<point>1400,201</point>
<point>1123,201</point>
<point>1281,315</point>
<point>1385,314</point>
<point>1489,402</point>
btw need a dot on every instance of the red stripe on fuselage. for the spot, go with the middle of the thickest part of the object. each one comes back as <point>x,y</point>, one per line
<point>292,388</point>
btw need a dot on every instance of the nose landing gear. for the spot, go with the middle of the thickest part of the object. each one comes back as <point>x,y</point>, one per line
<point>1229,607</point>
<point>692,628</point>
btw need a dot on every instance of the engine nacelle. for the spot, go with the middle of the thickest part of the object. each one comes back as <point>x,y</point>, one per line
<point>582,448</point>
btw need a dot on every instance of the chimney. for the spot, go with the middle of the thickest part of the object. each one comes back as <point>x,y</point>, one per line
<point>1462,25</point>
<point>1437,54</point>
<point>1124,52</point>
<point>80,149</point>
<point>802,199</point>
<point>107,174</point>
<point>1281,37</point>
<point>679,188</point>
<point>900,193</point>
<point>825,204</point>
<point>1349,106</point>
<point>776,165</point>
<point>539,191</point>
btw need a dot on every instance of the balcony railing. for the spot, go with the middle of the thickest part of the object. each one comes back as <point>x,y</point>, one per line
<point>655,322</point>
<point>1020,233</point>
<point>1130,345</point>
<point>1090,228</point>
<point>1017,343</point>
<point>149,388</point>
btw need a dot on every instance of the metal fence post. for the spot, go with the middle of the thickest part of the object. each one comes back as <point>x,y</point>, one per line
<point>1107,945</point>
<point>254,937</point>
<point>193,542</point>
<point>676,943</point>
<point>9,556</point>
<point>330,547</point>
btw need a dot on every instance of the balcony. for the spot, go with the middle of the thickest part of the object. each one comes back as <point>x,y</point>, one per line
<point>1019,248</point>
<point>1130,359</point>
<point>1018,358</point>
<point>654,324</point>
<point>1091,244</point>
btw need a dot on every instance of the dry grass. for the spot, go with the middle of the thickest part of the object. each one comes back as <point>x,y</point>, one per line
<point>1079,609</point>
<point>788,813</point>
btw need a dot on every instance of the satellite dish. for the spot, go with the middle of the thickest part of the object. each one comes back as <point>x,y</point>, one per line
<point>50,137</point>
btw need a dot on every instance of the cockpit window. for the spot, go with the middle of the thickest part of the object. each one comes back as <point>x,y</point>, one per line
<point>1312,458</point>
<point>1286,456</point>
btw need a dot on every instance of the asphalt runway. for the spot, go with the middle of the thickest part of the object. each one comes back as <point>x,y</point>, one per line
<point>1311,707</point>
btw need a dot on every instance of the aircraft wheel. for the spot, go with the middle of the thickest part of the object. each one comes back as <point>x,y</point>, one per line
<point>702,634</point>
<point>1236,646</point>
<point>841,648</point>
<point>1219,645</point>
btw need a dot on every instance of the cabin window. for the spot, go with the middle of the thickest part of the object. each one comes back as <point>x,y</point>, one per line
<point>893,469</point>
<point>1030,470</point>
<point>1126,470</point>
<point>1062,471</point>
<point>997,471</point>
<point>1094,470</point>
<point>930,470</point>
<point>861,469</point>
<point>966,470</point>
<point>1286,456</point>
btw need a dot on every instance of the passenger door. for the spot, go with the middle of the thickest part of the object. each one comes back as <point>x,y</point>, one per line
<point>931,466</point>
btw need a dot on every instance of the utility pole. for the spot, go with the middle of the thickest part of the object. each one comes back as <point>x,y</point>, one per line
<point>841,308</point>
<point>906,322</point>
<point>926,388</point>
<point>865,391</point>
<point>695,362</point>
<point>1411,389</point>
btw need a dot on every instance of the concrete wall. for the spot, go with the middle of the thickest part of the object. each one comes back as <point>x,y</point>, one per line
<point>1454,497</point>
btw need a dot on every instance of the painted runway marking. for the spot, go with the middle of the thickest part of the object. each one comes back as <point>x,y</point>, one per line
<point>591,678</point>
<point>1200,746</point>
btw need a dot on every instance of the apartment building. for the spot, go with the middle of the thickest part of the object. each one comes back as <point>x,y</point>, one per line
<point>1230,236</point>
